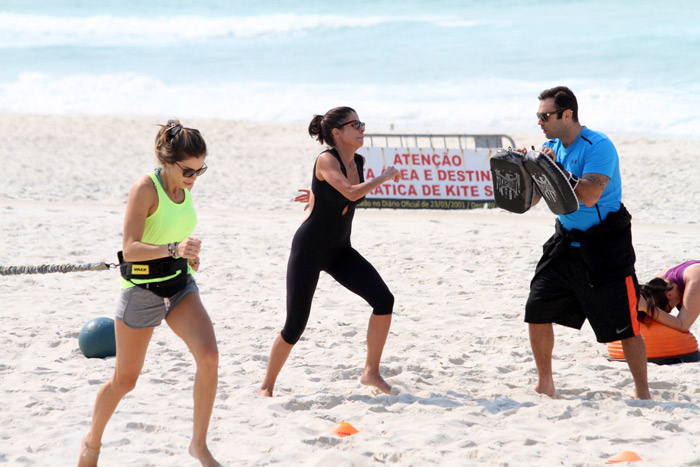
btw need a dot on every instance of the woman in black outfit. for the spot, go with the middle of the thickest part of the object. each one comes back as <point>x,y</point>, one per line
<point>322,243</point>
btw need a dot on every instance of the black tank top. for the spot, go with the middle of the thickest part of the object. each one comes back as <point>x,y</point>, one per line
<point>329,197</point>
<point>326,225</point>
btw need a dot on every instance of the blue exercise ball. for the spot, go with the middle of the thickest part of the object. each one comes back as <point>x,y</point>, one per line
<point>97,340</point>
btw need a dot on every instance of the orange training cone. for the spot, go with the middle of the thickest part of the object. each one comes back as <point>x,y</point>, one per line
<point>624,456</point>
<point>344,429</point>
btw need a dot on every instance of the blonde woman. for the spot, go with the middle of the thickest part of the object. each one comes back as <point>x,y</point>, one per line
<point>158,226</point>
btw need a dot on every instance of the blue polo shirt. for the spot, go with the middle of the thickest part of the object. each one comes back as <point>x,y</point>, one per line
<point>591,152</point>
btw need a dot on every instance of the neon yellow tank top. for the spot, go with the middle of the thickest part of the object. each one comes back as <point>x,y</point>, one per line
<point>171,222</point>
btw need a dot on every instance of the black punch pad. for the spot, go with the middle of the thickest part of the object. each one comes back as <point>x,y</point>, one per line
<point>552,182</point>
<point>512,185</point>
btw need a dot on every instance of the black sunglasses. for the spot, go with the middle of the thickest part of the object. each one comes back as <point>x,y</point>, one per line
<point>356,124</point>
<point>189,173</point>
<point>544,116</point>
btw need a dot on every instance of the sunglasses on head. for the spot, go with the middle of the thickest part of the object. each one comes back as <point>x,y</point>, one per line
<point>544,116</point>
<point>356,124</point>
<point>189,173</point>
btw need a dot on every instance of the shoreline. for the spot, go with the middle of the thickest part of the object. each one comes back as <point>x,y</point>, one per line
<point>381,127</point>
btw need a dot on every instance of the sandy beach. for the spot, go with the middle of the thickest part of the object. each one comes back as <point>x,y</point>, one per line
<point>458,349</point>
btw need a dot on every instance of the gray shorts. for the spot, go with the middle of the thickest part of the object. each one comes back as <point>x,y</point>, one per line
<point>140,308</point>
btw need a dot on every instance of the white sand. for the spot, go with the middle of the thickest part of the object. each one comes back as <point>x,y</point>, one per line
<point>458,347</point>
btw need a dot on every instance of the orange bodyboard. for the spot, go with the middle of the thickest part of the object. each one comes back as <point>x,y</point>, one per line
<point>660,341</point>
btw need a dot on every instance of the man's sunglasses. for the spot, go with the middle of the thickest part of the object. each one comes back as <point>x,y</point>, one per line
<point>189,173</point>
<point>356,124</point>
<point>544,116</point>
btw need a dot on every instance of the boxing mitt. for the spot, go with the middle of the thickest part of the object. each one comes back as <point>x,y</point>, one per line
<point>513,188</point>
<point>556,185</point>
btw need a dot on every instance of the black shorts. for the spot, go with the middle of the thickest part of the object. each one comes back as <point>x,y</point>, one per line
<point>563,293</point>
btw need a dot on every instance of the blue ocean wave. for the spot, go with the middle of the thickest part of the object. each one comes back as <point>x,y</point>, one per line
<point>419,65</point>
<point>475,106</point>
<point>23,30</point>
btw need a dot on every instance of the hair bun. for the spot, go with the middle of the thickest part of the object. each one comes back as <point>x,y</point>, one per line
<point>315,126</point>
<point>174,126</point>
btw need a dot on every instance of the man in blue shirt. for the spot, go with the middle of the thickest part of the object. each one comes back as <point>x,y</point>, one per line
<point>587,268</point>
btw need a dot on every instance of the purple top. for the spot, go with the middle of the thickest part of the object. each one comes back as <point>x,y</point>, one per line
<point>675,274</point>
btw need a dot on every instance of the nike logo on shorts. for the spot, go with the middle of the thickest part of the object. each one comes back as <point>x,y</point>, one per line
<point>620,331</point>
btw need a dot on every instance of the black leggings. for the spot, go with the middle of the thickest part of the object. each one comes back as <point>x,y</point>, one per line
<point>350,269</point>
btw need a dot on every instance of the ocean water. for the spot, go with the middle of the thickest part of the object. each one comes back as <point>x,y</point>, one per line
<point>413,65</point>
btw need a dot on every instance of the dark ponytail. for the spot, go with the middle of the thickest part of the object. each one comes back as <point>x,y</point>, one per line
<point>316,128</point>
<point>654,292</point>
<point>175,143</point>
<point>648,315</point>
<point>321,126</point>
<point>657,288</point>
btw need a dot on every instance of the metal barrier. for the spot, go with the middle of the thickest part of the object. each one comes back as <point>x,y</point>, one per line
<point>464,141</point>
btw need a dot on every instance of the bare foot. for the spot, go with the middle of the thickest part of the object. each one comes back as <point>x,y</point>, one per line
<point>265,392</point>
<point>88,454</point>
<point>546,388</point>
<point>644,396</point>
<point>378,382</point>
<point>203,455</point>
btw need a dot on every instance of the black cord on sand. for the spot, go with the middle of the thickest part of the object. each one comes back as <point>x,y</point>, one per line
<point>49,268</point>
